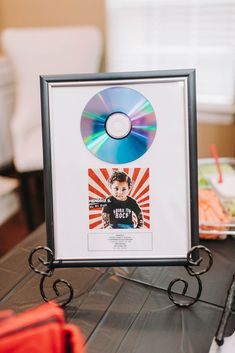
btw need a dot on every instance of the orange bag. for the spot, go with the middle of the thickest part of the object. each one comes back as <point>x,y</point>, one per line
<point>39,330</point>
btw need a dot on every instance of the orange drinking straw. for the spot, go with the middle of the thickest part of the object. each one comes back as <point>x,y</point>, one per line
<point>216,158</point>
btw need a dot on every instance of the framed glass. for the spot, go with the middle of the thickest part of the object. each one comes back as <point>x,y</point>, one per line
<point>120,162</point>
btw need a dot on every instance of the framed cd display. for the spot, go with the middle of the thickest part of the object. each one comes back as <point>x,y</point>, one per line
<point>120,167</point>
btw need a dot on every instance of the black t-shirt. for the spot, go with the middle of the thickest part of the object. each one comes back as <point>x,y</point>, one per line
<point>121,211</point>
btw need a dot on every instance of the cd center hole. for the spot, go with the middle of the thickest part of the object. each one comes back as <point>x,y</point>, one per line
<point>118,125</point>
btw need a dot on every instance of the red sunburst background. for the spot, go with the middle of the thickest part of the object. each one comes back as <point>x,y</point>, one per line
<point>99,189</point>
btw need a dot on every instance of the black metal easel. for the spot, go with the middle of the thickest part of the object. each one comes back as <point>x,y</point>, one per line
<point>190,268</point>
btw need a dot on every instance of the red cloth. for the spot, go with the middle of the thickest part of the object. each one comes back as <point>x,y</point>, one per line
<point>39,330</point>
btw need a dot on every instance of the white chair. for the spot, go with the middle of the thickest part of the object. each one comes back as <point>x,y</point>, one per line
<point>6,104</point>
<point>39,51</point>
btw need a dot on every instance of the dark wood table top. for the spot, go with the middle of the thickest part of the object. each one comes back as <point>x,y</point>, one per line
<point>122,310</point>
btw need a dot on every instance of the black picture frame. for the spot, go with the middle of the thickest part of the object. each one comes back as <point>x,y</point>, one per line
<point>47,84</point>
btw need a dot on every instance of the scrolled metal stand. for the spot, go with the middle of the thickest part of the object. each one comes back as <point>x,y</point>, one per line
<point>190,269</point>
<point>48,273</point>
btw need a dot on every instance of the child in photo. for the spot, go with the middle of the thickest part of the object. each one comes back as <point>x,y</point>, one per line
<point>119,209</point>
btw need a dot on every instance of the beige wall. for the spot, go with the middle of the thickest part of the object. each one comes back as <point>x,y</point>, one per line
<point>22,13</point>
<point>221,135</point>
<point>33,13</point>
<point>25,13</point>
<point>1,18</point>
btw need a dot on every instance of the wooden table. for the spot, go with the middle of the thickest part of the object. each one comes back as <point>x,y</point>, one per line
<point>127,309</point>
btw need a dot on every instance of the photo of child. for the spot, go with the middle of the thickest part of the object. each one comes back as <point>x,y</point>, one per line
<point>118,212</point>
<point>119,198</point>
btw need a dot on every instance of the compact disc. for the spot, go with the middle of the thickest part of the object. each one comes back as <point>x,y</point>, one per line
<point>118,125</point>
